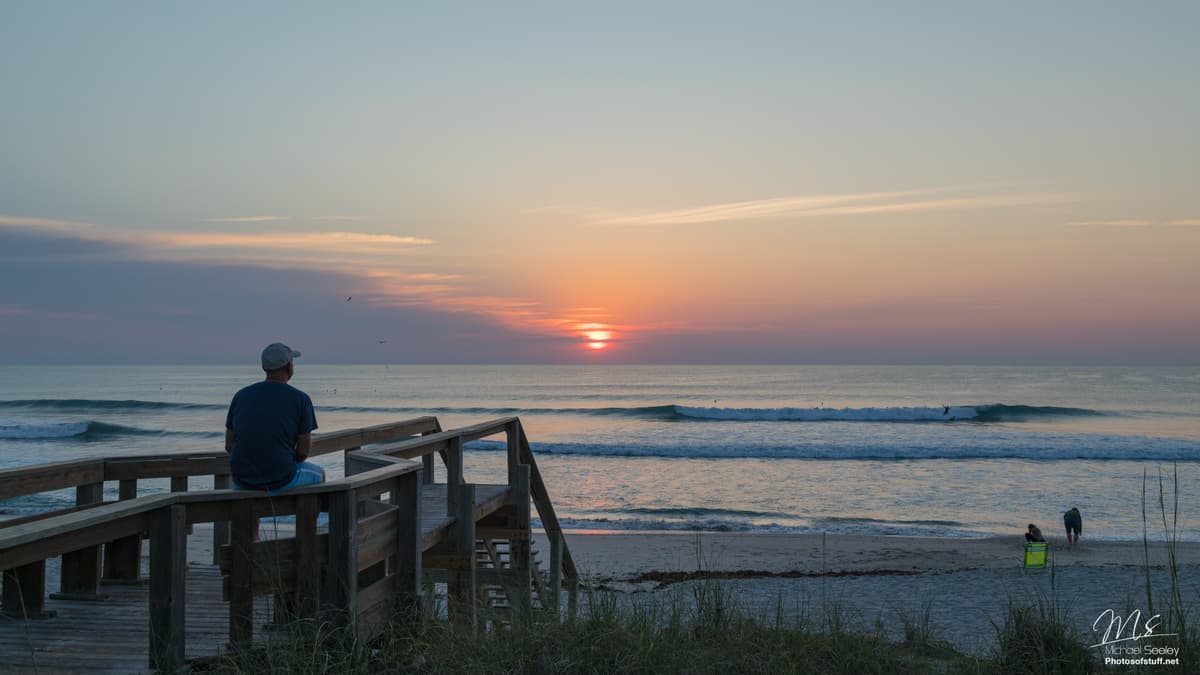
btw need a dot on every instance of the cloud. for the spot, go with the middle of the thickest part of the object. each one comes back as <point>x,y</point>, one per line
<point>1112,223</point>
<point>324,241</point>
<point>140,310</point>
<point>832,204</point>
<point>351,219</point>
<point>374,268</point>
<point>76,316</point>
<point>246,219</point>
<point>43,223</point>
<point>1136,222</point>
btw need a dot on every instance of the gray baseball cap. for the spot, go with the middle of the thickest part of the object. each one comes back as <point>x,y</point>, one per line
<point>277,355</point>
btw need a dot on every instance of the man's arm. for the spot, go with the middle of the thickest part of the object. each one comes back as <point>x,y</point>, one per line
<point>228,440</point>
<point>303,446</point>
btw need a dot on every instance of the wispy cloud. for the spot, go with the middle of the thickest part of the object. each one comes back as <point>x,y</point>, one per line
<point>76,316</point>
<point>389,276</point>
<point>901,201</point>
<point>246,219</point>
<point>336,241</point>
<point>1136,222</point>
<point>1112,223</point>
<point>43,223</point>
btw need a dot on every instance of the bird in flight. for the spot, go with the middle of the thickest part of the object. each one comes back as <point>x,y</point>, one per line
<point>348,299</point>
<point>381,341</point>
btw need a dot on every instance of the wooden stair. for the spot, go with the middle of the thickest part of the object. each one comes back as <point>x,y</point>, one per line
<point>497,583</point>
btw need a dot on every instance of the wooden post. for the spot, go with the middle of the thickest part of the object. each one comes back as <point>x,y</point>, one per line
<point>427,469</point>
<point>572,598</point>
<point>221,481</point>
<point>123,557</point>
<point>80,578</point>
<point>512,432</point>
<point>180,484</point>
<point>339,593</point>
<point>168,570</point>
<point>307,572</point>
<point>454,474</point>
<point>519,546</point>
<point>461,587</point>
<point>24,592</point>
<point>406,496</point>
<point>556,546</point>
<point>241,573</point>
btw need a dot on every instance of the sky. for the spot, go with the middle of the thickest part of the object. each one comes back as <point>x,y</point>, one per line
<point>616,182</point>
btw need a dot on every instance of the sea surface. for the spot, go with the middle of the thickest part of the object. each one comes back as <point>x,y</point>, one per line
<point>940,451</point>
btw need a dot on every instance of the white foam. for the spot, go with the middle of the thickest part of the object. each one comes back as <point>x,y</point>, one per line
<point>40,429</point>
<point>923,414</point>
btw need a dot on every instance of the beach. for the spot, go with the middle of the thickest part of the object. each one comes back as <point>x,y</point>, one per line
<point>964,585</point>
<point>883,493</point>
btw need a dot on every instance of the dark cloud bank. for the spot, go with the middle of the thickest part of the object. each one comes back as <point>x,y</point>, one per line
<point>69,300</point>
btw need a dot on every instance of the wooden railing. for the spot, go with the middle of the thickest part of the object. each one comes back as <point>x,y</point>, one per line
<point>371,555</point>
<point>520,455</point>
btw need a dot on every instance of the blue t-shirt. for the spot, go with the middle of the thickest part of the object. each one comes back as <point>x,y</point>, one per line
<point>265,418</point>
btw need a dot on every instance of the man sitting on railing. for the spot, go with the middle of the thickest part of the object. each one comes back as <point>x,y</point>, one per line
<point>268,431</point>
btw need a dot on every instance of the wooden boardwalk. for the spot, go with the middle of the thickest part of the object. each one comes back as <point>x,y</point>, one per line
<point>167,597</point>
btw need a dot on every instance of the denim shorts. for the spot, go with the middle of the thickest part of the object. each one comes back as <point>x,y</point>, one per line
<point>307,473</point>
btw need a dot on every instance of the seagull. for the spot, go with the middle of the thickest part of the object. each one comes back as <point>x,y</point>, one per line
<point>348,299</point>
<point>381,341</point>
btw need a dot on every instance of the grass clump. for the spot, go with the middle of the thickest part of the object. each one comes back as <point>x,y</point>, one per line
<point>710,634</point>
<point>702,631</point>
<point>1040,639</point>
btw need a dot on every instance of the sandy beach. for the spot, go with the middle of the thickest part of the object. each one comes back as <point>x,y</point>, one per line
<point>624,556</point>
<point>965,585</point>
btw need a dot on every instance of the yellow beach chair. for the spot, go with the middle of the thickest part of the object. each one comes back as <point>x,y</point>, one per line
<point>1036,553</point>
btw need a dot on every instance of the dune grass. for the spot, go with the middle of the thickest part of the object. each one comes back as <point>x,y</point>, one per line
<point>703,629</point>
<point>705,632</point>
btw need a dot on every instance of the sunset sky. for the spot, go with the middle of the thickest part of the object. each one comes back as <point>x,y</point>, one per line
<point>609,182</point>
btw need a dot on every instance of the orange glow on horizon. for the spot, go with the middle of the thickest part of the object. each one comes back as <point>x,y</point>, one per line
<point>597,345</point>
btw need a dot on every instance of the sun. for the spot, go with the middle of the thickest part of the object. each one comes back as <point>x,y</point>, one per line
<point>597,336</point>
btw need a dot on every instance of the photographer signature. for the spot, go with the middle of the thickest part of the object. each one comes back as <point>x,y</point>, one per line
<point>1115,631</point>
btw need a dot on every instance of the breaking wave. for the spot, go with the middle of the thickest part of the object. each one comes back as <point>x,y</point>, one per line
<point>86,430</point>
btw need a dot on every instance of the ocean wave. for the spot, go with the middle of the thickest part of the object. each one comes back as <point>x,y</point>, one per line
<point>699,512</point>
<point>669,525</point>
<point>995,412</point>
<point>90,405</point>
<point>13,429</point>
<point>85,430</point>
<point>978,413</point>
<point>866,527</point>
<point>1037,447</point>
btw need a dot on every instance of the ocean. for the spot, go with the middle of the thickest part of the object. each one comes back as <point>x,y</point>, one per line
<point>948,451</point>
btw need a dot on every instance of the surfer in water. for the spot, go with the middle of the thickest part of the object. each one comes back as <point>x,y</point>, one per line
<point>945,410</point>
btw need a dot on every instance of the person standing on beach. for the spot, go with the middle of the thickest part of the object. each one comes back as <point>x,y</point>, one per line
<point>268,430</point>
<point>1074,524</point>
